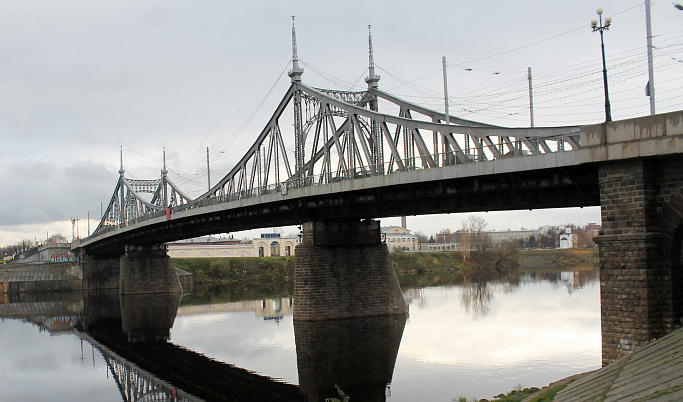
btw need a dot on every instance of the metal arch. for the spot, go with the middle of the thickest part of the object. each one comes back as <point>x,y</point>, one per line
<point>127,205</point>
<point>340,135</point>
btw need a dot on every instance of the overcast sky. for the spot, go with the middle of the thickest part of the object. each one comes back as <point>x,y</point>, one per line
<point>80,79</point>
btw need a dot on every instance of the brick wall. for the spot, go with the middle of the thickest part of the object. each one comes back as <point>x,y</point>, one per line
<point>346,280</point>
<point>147,269</point>
<point>638,281</point>
<point>99,273</point>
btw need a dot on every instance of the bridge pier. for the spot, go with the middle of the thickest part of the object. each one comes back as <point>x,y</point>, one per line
<point>342,270</point>
<point>147,269</point>
<point>641,271</point>
<point>99,272</point>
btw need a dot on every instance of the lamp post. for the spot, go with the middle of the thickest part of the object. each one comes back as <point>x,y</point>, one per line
<point>598,26</point>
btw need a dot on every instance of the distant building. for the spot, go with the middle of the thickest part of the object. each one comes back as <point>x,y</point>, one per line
<point>453,246</point>
<point>268,245</point>
<point>48,252</point>
<point>567,238</point>
<point>513,235</point>
<point>398,238</point>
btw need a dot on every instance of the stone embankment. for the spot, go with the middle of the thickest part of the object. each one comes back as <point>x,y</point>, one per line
<point>652,373</point>
<point>53,277</point>
<point>41,277</point>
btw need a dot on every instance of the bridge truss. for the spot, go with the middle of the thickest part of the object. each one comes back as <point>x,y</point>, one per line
<point>340,135</point>
<point>128,204</point>
<point>320,136</point>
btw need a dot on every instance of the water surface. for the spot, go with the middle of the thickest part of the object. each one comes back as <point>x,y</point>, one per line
<point>475,339</point>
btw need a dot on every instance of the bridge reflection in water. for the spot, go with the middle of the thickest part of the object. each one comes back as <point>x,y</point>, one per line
<point>132,334</point>
<point>357,354</point>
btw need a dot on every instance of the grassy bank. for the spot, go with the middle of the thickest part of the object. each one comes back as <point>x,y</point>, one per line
<point>416,270</point>
<point>560,259</point>
<point>230,279</point>
<point>233,279</point>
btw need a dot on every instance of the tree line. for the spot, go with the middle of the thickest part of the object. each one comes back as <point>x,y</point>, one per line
<point>28,246</point>
<point>474,230</point>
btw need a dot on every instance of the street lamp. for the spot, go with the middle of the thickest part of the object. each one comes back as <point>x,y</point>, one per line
<point>598,26</point>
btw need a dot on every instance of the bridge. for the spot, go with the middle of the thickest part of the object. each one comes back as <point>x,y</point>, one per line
<point>351,157</point>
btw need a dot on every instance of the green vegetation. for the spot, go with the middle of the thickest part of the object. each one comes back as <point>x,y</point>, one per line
<point>232,279</point>
<point>342,397</point>
<point>426,269</point>
<point>549,395</point>
<point>560,259</point>
<point>515,395</point>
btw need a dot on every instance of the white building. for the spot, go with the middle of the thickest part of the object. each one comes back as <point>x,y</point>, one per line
<point>398,238</point>
<point>567,238</point>
<point>268,245</point>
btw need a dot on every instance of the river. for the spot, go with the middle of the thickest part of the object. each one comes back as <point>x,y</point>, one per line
<point>468,339</point>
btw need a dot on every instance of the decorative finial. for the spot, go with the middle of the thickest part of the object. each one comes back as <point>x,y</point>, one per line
<point>121,170</point>
<point>372,58</point>
<point>164,171</point>
<point>372,79</point>
<point>296,71</point>
<point>295,56</point>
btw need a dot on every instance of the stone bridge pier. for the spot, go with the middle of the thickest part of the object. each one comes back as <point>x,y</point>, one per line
<point>141,270</point>
<point>641,270</point>
<point>342,270</point>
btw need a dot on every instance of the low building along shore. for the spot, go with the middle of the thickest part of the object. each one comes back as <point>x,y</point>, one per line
<point>268,245</point>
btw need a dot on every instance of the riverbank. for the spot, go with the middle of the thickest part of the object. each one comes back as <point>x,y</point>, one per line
<point>273,276</point>
<point>233,279</point>
<point>240,278</point>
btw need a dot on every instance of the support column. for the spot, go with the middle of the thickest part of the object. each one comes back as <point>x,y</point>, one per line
<point>99,272</point>
<point>147,269</point>
<point>342,270</point>
<point>638,277</point>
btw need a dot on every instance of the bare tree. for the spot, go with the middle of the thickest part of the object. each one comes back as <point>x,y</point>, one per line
<point>479,239</point>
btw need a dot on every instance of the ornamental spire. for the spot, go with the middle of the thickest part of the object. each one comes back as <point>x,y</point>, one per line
<point>164,171</point>
<point>296,71</point>
<point>121,169</point>
<point>372,79</point>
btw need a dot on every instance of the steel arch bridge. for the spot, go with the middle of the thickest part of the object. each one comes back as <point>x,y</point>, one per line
<point>337,136</point>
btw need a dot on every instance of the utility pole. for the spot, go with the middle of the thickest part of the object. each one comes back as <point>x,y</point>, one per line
<point>208,171</point>
<point>650,68</point>
<point>531,100</point>
<point>445,90</point>
<point>448,117</point>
